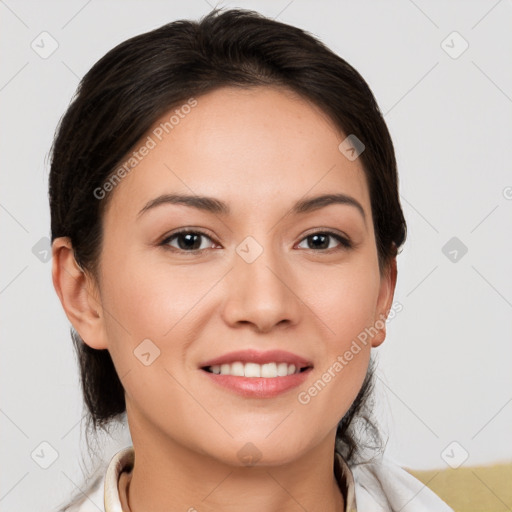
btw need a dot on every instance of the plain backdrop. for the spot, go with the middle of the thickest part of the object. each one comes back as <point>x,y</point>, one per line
<point>441,73</point>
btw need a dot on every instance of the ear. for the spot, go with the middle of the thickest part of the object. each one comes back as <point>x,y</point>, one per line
<point>78,294</point>
<point>384,301</point>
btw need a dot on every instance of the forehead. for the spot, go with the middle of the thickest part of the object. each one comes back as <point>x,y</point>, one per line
<point>257,147</point>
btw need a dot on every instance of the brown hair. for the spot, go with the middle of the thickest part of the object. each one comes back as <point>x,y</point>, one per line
<point>140,80</point>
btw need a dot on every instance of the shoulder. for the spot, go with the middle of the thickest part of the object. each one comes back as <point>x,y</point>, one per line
<point>384,486</point>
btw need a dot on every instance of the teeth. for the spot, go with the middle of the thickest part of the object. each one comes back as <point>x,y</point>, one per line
<point>252,370</point>
<point>237,369</point>
<point>268,370</point>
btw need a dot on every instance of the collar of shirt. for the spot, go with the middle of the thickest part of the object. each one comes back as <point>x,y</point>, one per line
<point>122,464</point>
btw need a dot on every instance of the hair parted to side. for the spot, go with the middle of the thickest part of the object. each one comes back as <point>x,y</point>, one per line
<point>143,78</point>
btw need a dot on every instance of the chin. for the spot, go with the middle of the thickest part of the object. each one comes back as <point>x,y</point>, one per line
<point>261,451</point>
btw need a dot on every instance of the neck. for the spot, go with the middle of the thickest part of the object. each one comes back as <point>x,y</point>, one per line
<point>170,477</point>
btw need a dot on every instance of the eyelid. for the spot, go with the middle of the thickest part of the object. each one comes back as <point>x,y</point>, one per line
<point>326,231</point>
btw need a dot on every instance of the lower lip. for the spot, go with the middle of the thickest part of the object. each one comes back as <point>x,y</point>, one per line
<point>259,387</point>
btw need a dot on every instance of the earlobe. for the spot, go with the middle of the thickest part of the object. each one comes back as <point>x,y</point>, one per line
<point>78,294</point>
<point>385,301</point>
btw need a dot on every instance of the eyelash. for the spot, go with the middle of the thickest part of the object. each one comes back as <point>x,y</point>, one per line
<point>344,242</point>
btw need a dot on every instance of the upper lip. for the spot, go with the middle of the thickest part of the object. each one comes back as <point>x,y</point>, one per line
<point>255,356</point>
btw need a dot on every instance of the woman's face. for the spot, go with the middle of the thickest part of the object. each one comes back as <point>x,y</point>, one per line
<point>251,277</point>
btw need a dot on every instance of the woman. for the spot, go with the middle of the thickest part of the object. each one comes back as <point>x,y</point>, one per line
<point>225,225</point>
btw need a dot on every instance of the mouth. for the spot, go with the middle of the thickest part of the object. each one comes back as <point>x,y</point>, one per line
<point>257,374</point>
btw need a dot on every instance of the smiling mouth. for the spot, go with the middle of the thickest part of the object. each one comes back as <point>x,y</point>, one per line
<point>255,370</point>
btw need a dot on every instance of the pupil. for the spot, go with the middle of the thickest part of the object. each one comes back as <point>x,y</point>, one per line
<point>316,237</point>
<point>189,236</point>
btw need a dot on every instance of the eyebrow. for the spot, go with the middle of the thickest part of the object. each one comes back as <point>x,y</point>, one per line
<point>212,205</point>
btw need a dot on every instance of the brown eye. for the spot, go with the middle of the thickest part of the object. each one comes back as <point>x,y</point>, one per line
<point>322,240</point>
<point>188,241</point>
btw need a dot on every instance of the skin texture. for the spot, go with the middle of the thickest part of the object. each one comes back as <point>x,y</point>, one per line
<point>259,150</point>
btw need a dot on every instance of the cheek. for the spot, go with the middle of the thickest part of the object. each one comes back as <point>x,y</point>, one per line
<point>347,311</point>
<point>146,299</point>
<point>345,300</point>
<point>149,322</point>
<point>346,305</point>
<point>150,297</point>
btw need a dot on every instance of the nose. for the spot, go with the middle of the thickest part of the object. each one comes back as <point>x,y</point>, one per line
<point>261,293</point>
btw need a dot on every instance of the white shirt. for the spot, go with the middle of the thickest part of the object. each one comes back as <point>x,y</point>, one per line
<point>373,487</point>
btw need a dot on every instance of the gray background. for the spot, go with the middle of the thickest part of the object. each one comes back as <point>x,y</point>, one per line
<point>444,380</point>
